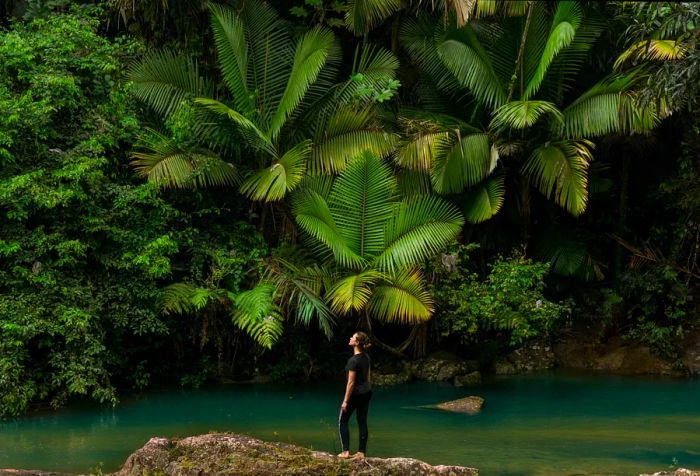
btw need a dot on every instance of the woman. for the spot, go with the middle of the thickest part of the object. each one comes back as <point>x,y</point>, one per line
<point>358,393</point>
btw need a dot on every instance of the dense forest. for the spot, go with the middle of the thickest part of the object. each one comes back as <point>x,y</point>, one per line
<point>196,191</point>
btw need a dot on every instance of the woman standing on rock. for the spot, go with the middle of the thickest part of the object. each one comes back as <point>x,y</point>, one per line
<point>358,393</point>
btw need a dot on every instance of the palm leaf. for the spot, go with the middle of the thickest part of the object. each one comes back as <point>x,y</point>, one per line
<point>567,20</point>
<point>607,108</point>
<point>164,162</point>
<point>361,203</point>
<point>232,49</point>
<point>255,138</point>
<point>353,292</point>
<point>270,56</point>
<point>346,134</point>
<point>417,37</point>
<point>164,79</point>
<point>402,299</point>
<point>485,200</point>
<point>257,314</point>
<point>466,59</point>
<point>653,50</point>
<point>523,114</point>
<point>274,182</point>
<point>421,226</point>
<point>559,170</point>
<point>176,299</point>
<point>314,217</point>
<point>467,163</point>
<point>311,54</point>
<point>363,15</point>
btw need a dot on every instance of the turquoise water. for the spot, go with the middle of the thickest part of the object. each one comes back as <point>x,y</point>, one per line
<point>549,424</point>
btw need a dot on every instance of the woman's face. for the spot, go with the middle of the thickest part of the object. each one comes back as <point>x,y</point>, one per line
<point>353,340</point>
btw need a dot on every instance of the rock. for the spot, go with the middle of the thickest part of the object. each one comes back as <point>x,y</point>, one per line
<point>472,378</point>
<point>470,405</point>
<point>440,367</point>
<point>28,472</point>
<point>390,379</point>
<point>504,367</point>
<point>227,453</point>
<point>678,472</point>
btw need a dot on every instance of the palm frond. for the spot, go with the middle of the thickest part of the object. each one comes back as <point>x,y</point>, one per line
<point>485,200</point>
<point>274,182</point>
<point>314,217</point>
<point>255,137</point>
<point>176,299</point>
<point>652,50</point>
<point>567,20</point>
<point>560,170</point>
<point>418,152</point>
<point>414,183</point>
<point>163,79</point>
<point>310,56</point>
<point>232,49</point>
<point>374,65</point>
<point>466,59</point>
<point>345,135</point>
<point>270,57</point>
<point>607,108</point>
<point>523,114</point>
<point>467,163</point>
<point>402,299</point>
<point>164,162</point>
<point>421,226</point>
<point>418,37</point>
<point>352,292</point>
<point>361,202</point>
<point>257,314</point>
<point>363,15</point>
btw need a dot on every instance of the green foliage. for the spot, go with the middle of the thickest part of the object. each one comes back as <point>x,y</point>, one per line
<point>509,300</point>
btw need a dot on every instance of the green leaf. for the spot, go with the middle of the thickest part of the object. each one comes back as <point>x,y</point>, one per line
<point>274,182</point>
<point>361,201</point>
<point>257,314</point>
<point>469,162</point>
<point>403,299</point>
<point>465,58</point>
<point>485,200</point>
<point>420,227</point>
<point>523,114</point>
<point>311,54</point>
<point>567,20</point>
<point>560,170</point>
<point>353,292</point>
<point>232,49</point>
<point>164,79</point>
<point>364,15</point>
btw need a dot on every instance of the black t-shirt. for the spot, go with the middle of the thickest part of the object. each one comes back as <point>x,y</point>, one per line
<point>360,364</point>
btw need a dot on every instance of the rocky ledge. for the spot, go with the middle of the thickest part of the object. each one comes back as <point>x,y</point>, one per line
<point>226,453</point>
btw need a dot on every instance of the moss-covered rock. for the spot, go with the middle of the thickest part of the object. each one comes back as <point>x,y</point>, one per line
<point>226,453</point>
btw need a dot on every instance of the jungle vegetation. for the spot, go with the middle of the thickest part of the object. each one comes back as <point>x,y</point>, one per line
<point>200,191</point>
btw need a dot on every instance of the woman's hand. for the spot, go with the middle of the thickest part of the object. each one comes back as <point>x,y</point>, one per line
<point>344,407</point>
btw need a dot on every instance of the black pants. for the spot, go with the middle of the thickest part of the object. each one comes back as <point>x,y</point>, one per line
<point>361,404</point>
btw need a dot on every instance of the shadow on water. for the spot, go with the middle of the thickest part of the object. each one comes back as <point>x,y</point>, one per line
<point>543,424</point>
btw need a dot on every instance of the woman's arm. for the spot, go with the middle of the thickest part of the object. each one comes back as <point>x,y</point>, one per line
<point>348,388</point>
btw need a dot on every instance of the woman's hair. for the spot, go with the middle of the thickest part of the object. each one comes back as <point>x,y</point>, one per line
<point>363,340</point>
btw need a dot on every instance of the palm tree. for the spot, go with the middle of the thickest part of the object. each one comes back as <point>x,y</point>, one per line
<point>281,113</point>
<point>367,246</point>
<point>374,241</point>
<point>517,76</point>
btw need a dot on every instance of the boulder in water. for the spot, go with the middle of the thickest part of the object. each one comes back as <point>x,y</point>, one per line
<point>470,405</point>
